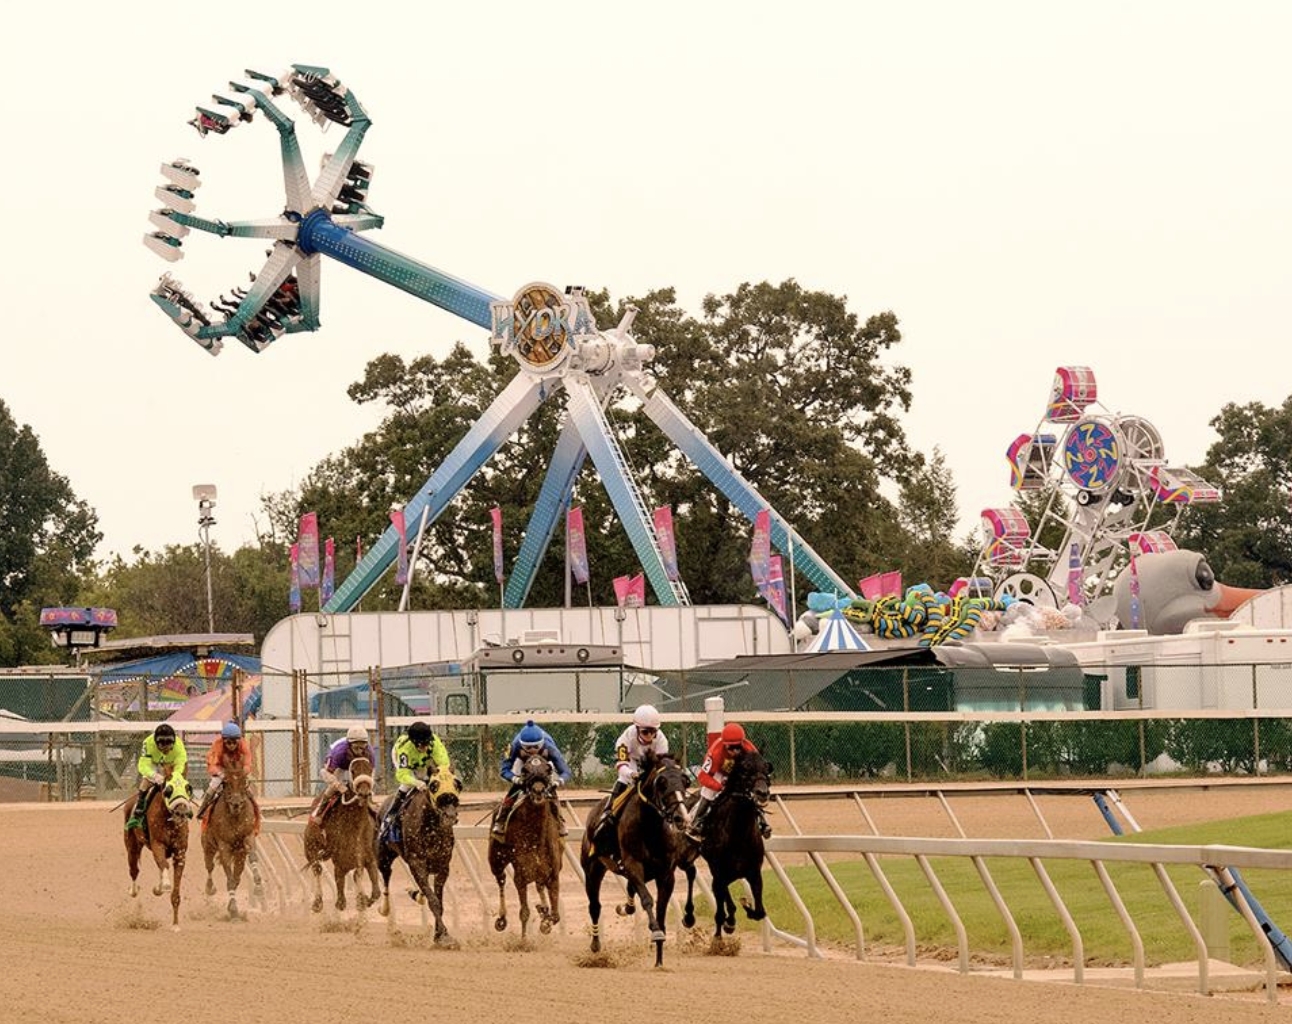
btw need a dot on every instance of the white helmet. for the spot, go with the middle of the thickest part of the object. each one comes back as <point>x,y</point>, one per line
<point>356,734</point>
<point>646,717</point>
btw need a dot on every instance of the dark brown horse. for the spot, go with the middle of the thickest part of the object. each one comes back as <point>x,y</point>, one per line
<point>732,845</point>
<point>229,833</point>
<point>348,837</point>
<point>165,834</point>
<point>423,836</point>
<point>648,844</point>
<point>533,847</point>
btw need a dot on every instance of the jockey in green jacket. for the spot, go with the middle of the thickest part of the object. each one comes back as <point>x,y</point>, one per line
<point>417,755</point>
<point>162,749</point>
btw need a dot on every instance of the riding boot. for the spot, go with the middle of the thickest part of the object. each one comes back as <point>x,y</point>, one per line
<point>502,816</point>
<point>136,819</point>
<point>391,815</point>
<point>695,831</point>
<point>561,830</point>
<point>609,816</point>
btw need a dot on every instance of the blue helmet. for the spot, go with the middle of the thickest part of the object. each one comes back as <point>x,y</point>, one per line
<point>231,731</point>
<point>531,735</point>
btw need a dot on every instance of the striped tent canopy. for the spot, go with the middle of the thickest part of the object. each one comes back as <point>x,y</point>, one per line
<point>837,634</point>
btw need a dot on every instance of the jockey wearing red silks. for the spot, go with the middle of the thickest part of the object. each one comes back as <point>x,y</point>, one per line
<point>718,762</point>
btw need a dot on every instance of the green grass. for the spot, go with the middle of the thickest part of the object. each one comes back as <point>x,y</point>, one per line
<point>1044,936</point>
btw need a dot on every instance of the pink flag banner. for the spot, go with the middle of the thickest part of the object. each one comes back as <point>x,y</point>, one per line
<point>496,514</point>
<point>294,595</point>
<point>576,544</point>
<point>401,563</point>
<point>890,584</point>
<point>307,539</point>
<point>667,541</point>
<point>871,588</point>
<point>635,596</point>
<point>1076,577</point>
<point>760,551</point>
<point>328,586</point>
<point>775,589</point>
<point>1136,616</point>
<point>621,590</point>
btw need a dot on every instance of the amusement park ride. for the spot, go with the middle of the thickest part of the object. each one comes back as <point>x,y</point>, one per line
<point>1102,481</point>
<point>551,334</point>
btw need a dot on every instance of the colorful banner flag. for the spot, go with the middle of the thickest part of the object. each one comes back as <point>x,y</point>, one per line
<point>630,591</point>
<point>667,541</point>
<point>401,564</point>
<point>294,596</point>
<point>576,544</point>
<point>328,586</point>
<point>1136,616</point>
<point>307,539</point>
<point>890,584</point>
<point>496,514</point>
<point>1076,578</point>
<point>774,591</point>
<point>761,550</point>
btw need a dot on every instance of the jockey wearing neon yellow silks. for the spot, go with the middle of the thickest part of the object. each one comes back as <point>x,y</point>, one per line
<point>162,749</point>
<point>416,754</point>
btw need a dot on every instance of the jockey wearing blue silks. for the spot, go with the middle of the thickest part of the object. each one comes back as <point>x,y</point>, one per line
<point>531,741</point>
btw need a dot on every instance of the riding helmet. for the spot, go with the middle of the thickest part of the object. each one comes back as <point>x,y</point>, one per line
<point>165,731</point>
<point>231,731</point>
<point>357,734</point>
<point>531,735</point>
<point>419,733</point>
<point>732,732</point>
<point>646,717</point>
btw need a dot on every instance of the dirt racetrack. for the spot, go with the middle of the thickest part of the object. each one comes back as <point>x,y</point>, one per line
<point>76,948</point>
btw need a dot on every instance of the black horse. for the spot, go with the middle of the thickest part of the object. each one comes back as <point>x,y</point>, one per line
<point>425,841</point>
<point>648,844</point>
<point>732,844</point>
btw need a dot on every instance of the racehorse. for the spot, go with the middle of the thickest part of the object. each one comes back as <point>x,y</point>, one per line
<point>650,845</point>
<point>348,838</point>
<point>165,834</point>
<point>424,838</point>
<point>229,832</point>
<point>532,846</point>
<point>732,844</point>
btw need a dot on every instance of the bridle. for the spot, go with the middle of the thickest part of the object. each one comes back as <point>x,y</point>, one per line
<point>668,802</point>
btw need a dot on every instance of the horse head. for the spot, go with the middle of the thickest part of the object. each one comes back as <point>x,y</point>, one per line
<point>361,777</point>
<point>235,791</point>
<point>178,796</point>
<point>751,776</point>
<point>444,790</point>
<point>663,786</point>
<point>536,778</point>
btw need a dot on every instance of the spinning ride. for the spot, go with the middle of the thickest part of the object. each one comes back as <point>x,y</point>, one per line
<point>1102,481</point>
<point>551,334</point>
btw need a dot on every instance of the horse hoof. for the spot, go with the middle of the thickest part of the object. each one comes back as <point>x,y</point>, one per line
<point>317,905</point>
<point>545,926</point>
<point>500,924</point>
<point>728,926</point>
<point>625,909</point>
<point>210,887</point>
<point>596,944</point>
<point>233,908</point>
<point>657,936</point>
<point>688,920</point>
<point>446,941</point>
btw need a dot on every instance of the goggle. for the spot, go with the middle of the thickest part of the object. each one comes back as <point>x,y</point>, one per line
<point>734,748</point>
<point>646,730</point>
<point>531,751</point>
<point>165,744</point>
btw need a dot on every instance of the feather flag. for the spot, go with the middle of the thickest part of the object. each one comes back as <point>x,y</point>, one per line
<point>307,540</point>
<point>774,591</point>
<point>496,514</point>
<point>401,565</point>
<point>1076,579</point>
<point>328,586</point>
<point>294,595</point>
<point>663,517</point>
<point>630,591</point>
<point>576,543</point>
<point>760,551</point>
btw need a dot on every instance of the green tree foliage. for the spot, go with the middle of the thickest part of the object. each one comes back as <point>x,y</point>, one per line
<point>47,539</point>
<point>1247,538</point>
<point>786,382</point>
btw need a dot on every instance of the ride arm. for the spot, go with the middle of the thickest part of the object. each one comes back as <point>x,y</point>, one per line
<point>179,761</point>
<point>706,776</point>
<point>507,769</point>
<point>558,760</point>
<point>439,753</point>
<point>146,765</point>
<point>403,763</point>
<point>214,757</point>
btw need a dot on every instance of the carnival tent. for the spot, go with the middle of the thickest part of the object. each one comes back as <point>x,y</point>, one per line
<point>837,634</point>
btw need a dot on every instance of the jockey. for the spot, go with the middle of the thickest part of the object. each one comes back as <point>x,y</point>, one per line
<point>713,775</point>
<point>162,749</point>
<point>336,768</point>
<point>531,741</point>
<point>231,751</point>
<point>631,746</point>
<point>416,754</point>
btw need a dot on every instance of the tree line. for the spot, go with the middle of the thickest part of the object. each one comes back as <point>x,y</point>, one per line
<point>803,396</point>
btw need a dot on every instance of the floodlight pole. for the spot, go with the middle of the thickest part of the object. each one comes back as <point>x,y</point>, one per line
<point>205,495</point>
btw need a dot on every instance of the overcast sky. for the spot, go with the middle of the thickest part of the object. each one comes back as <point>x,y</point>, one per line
<point>1026,185</point>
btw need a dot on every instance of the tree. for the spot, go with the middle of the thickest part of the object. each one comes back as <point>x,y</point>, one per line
<point>47,540</point>
<point>786,382</point>
<point>1247,537</point>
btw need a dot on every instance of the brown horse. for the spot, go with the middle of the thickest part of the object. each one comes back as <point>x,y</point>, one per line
<point>532,846</point>
<point>347,837</point>
<point>165,835</point>
<point>648,844</point>
<point>424,837</point>
<point>229,832</point>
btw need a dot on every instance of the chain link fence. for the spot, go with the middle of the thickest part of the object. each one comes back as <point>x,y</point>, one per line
<point>63,739</point>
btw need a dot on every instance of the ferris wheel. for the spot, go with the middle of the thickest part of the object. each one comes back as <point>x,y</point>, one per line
<point>1101,482</point>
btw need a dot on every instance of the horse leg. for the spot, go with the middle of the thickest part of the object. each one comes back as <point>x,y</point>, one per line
<point>317,870</point>
<point>721,900</point>
<point>253,862</point>
<point>688,912</point>
<point>442,936</point>
<point>133,849</point>
<point>237,858</point>
<point>339,872</point>
<point>756,912</point>
<point>550,911</point>
<point>593,872</point>
<point>163,868</point>
<point>178,866</point>
<point>663,894</point>
<point>500,922</point>
<point>522,891</point>
<point>208,856</point>
<point>384,861</point>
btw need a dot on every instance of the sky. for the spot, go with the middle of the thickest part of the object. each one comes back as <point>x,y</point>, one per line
<point>1026,185</point>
